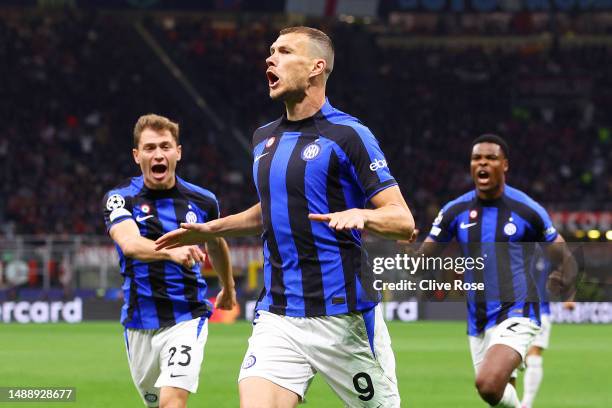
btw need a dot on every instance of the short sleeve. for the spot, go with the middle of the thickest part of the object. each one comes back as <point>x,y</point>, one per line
<point>116,208</point>
<point>545,229</point>
<point>442,227</point>
<point>369,162</point>
<point>214,210</point>
<point>207,202</point>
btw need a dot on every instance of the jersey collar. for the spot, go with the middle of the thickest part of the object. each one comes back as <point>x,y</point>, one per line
<point>325,111</point>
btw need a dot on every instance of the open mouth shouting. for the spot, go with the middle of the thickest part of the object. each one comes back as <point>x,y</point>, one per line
<point>483,177</point>
<point>159,171</point>
<point>273,79</point>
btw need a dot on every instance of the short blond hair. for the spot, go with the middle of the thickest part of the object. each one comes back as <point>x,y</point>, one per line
<point>321,40</point>
<point>157,123</point>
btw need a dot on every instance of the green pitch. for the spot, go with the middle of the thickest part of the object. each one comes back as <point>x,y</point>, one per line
<point>433,365</point>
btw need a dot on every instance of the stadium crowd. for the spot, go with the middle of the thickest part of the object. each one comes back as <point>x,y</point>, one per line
<point>78,81</point>
<point>75,85</point>
<point>426,104</point>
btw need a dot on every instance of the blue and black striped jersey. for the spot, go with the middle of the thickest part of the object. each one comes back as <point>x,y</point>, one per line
<point>162,293</point>
<point>511,220</point>
<point>327,163</point>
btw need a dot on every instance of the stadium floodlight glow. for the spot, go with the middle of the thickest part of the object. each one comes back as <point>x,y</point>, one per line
<point>609,235</point>
<point>579,234</point>
<point>594,234</point>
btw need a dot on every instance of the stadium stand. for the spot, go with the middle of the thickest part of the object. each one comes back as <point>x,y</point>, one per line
<point>71,142</point>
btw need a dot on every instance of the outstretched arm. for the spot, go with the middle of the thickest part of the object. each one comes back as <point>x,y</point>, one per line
<point>127,235</point>
<point>391,218</point>
<point>246,223</point>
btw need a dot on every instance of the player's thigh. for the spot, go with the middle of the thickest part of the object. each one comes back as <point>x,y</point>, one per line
<point>506,347</point>
<point>353,353</point>
<point>257,392</point>
<point>517,333</point>
<point>144,364</point>
<point>181,354</point>
<point>542,338</point>
<point>498,365</point>
<point>276,355</point>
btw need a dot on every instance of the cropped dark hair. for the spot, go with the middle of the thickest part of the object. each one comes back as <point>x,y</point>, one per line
<point>319,37</point>
<point>491,138</point>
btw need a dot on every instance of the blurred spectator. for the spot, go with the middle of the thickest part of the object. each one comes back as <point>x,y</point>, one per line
<point>76,83</point>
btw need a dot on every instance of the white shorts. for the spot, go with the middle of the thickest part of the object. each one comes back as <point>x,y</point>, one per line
<point>166,357</point>
<point>542,338</point>
<point>351,351</point>
<point>516,332</point>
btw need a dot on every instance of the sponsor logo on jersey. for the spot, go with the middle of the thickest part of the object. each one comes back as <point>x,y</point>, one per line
<point>378,164</point>
<point>140,218</point>
<point>463,225</point>
<point>311,151</point>
<point>259,156</point>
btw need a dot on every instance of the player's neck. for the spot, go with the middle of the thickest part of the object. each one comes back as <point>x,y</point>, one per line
<point>161,187</point>
<point>307,106</point>
<point>491,195</point>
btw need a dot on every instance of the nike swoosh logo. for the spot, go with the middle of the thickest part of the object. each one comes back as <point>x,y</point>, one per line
<point>511,327</point>
<point>464,225</point>
<point>260,156</point>
<point>141,219</point>
<point>177,375</point>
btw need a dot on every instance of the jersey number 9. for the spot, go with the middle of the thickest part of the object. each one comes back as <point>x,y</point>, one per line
<point>367,392</point>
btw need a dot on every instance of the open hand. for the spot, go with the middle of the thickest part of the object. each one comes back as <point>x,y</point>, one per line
<point>188,234</point>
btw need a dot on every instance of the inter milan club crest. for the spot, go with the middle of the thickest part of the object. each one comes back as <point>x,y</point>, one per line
<point>509,229</point>
<point>249,362</point>
<point>150,397</point>
<point>270,141</point>
<point>191,217</point>
<point>311,151</point>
